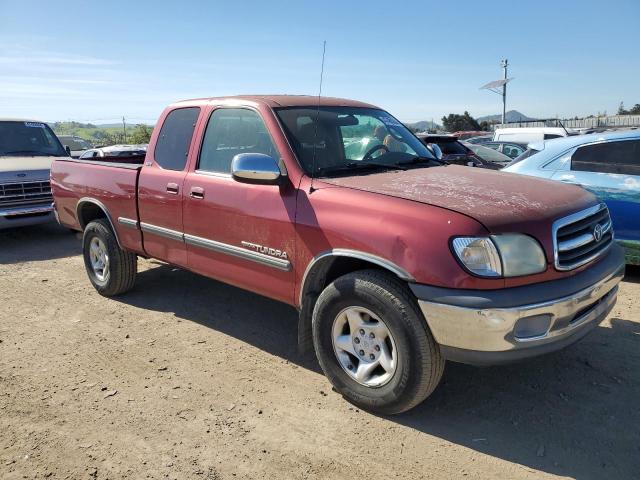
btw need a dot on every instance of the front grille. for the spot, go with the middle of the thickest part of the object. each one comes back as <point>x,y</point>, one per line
<point>24,193</point>
<point>576,239</point>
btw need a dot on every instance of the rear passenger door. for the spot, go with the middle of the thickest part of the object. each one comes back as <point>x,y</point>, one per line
<point>611,170</point>
<point>226,223</point>
<point>160,186</point>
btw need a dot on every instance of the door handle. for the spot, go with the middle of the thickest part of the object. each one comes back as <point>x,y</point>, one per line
<point>196,192</point>
<point>172,188</point>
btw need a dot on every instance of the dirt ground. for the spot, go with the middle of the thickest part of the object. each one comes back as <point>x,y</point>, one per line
<point>189,378</point>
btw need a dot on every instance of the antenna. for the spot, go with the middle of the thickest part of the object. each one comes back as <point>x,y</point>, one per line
<point>315,136</point>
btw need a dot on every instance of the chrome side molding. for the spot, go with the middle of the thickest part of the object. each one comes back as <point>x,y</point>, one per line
<point>279,263</point>
<point>128,222</point>
<point>162,232</point>
<point>239,252</point>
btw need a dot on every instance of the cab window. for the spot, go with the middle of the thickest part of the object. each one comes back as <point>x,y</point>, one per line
<point>232,131</point>
<point>174,140</point>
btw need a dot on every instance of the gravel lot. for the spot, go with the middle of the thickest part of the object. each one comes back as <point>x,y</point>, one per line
<point>189,378</point>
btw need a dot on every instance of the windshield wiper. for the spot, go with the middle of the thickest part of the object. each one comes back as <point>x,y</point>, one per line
<point>359,165</point>
<point>32,153</point>
<point>418,159</point>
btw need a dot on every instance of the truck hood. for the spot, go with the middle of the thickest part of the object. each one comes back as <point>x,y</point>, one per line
<point>502,202</point>
<point>23,164</point>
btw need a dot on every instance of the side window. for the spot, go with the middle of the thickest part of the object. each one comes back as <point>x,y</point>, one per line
<point>174,139</point>
<point>231,131</point>
<point>608,157</point>
<point>512,151</point>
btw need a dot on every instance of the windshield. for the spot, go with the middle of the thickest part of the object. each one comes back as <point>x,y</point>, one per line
<point>29,139</point>
<point>347,137</point>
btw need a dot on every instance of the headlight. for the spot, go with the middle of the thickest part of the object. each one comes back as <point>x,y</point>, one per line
<point>479,255</point>
<point>508,255</point>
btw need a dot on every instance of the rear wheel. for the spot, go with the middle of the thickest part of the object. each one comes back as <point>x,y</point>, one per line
<point>111,270</point>
<point>373,343</point>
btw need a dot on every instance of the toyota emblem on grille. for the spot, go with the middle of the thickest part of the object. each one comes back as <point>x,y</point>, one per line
<point>597,232</point>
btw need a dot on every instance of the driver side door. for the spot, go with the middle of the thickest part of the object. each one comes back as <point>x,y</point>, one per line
<point>242,234</point>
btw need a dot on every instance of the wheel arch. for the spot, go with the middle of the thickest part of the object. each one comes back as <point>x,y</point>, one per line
<point>89,209</point>
<point>325,268</point>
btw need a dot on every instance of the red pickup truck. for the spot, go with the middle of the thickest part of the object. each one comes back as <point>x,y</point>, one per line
<point>395,260</point>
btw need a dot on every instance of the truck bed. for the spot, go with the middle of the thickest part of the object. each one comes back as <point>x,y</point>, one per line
<point>106,183</point>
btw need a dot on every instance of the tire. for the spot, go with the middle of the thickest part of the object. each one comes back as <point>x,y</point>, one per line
<point>376,296</point>
<point>119,272</point>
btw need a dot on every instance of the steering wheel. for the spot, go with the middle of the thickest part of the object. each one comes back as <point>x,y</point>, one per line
<point>372,150</point>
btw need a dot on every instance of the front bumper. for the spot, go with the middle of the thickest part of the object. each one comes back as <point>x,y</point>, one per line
<point>26,215</point>
<point>491,327</point>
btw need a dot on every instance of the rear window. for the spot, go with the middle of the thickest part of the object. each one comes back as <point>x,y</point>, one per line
<point>175,137</point>
<point>608,157</point>
<point>29,139</point>
<point>452,147</point>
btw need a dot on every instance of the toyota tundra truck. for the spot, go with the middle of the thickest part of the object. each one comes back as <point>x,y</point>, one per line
<point>395,260</point>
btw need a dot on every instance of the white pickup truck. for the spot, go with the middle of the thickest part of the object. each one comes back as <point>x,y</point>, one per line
<point>27,149</point>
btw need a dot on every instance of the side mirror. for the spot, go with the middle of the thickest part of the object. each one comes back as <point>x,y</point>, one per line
<point>68,149</point>
<point>471,164</point>
<point>436,150</point>
<point>255,168</point>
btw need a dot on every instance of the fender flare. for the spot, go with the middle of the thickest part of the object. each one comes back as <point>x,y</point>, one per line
<point>101,206</point>
<point>343,252</point>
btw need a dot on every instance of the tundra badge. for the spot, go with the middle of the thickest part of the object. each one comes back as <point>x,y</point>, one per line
<point>266,250</point>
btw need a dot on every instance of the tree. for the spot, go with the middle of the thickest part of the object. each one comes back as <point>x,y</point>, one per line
<point>635,110</point>
<point>455,122</point>
<point>621,110</point>
<point>140,134</point>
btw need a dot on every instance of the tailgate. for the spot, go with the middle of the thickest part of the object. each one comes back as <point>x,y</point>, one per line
<point>83,190</point>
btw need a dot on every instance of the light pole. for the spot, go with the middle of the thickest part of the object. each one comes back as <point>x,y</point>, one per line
<point>495,88</point>
<point>505,64</point>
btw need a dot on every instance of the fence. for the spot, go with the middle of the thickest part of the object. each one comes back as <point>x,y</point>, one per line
<point>609,121</point>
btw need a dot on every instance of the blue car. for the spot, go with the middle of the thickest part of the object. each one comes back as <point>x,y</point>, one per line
<point>607,164</point>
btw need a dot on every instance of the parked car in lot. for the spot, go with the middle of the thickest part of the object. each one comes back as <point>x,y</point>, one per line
<point>27,148</point>
<point>490,156</point>
<point>115,151</point>
<point>481,139</point>
<point>607,164</point>
<point>464,134</point>
<point>456,152</point>
<point>530,134</point>
<point>453,151</point>
<point>394,260</point>
<point>75,145</point>
<point>510,149</point>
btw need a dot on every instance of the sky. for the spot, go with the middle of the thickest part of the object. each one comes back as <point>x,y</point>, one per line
<point>94,61</point>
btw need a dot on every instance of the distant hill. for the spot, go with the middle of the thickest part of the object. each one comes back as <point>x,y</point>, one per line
<point>511,116</point>
<point>424,125</point>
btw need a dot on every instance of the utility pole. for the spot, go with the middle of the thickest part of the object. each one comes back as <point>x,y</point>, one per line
<point>495,88</point>
<point>505,65</point>
<point>124,131</point>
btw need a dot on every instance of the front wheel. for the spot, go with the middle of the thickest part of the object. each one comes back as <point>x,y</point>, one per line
<point>373,343</point>
<point>111,270</point>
